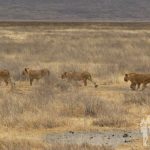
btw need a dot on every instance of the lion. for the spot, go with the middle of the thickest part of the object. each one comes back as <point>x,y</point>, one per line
<point>137,79</point>
<point>79,76</point>
<point>35,74</point>
<point>5,76</point>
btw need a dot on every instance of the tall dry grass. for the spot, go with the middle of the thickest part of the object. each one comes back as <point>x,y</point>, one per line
<point>10,144</point>
<point>106,54</point>
<point>103,52</point>
<point>48,108</point>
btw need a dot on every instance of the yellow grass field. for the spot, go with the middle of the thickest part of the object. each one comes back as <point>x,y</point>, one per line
<point>106,50</point>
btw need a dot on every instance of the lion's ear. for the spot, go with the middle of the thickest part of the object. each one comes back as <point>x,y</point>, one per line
<point>26,69</point>
<point>65,73</point>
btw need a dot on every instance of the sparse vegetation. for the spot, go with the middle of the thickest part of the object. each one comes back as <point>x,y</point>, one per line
<point>51,103</point>
<point>112,115</point>
<point>139,98</point>
<point>32,145</point>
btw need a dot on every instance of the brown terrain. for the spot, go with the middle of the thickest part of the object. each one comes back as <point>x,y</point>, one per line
<point>53,105</point>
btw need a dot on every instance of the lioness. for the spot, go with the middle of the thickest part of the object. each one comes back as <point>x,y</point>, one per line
<point>35,74</point>
<point>79,76</point>
<point>5,76</point>
<point>137,79</point>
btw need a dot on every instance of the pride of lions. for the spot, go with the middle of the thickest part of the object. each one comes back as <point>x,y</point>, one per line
<point>136,79</point>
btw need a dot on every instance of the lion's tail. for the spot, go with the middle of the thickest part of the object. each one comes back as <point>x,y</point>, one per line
<point>90,79</point>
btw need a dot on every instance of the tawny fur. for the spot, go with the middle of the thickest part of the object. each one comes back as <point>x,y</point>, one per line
<point>78,76</point>
<point>5,76</point>
<point>137,79</point>
<point>35,74</point>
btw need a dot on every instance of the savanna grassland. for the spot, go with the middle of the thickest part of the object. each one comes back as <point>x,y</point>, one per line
<point>107,51</point>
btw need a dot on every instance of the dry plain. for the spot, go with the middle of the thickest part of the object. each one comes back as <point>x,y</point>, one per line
<point>53,105</point>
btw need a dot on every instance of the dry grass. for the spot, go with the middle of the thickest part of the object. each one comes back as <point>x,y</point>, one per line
<point>139,98</point>
<point>113,115</point>
<point>6,144</point>
<point>106,53</point>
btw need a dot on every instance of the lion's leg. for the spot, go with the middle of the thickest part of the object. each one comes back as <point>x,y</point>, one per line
<point>31,80</point>
<point>133,86</point>
<point>48,73</point>
<point>11,83</point>
<point>138,86</point>
<point>144,86</point>
<point>85,82</point>
<point>6,81</point>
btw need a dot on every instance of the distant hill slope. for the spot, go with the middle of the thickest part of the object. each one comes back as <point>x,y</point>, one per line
<point>75,10</point>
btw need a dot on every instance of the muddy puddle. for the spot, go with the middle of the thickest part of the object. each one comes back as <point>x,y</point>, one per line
<point>109,138</point>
